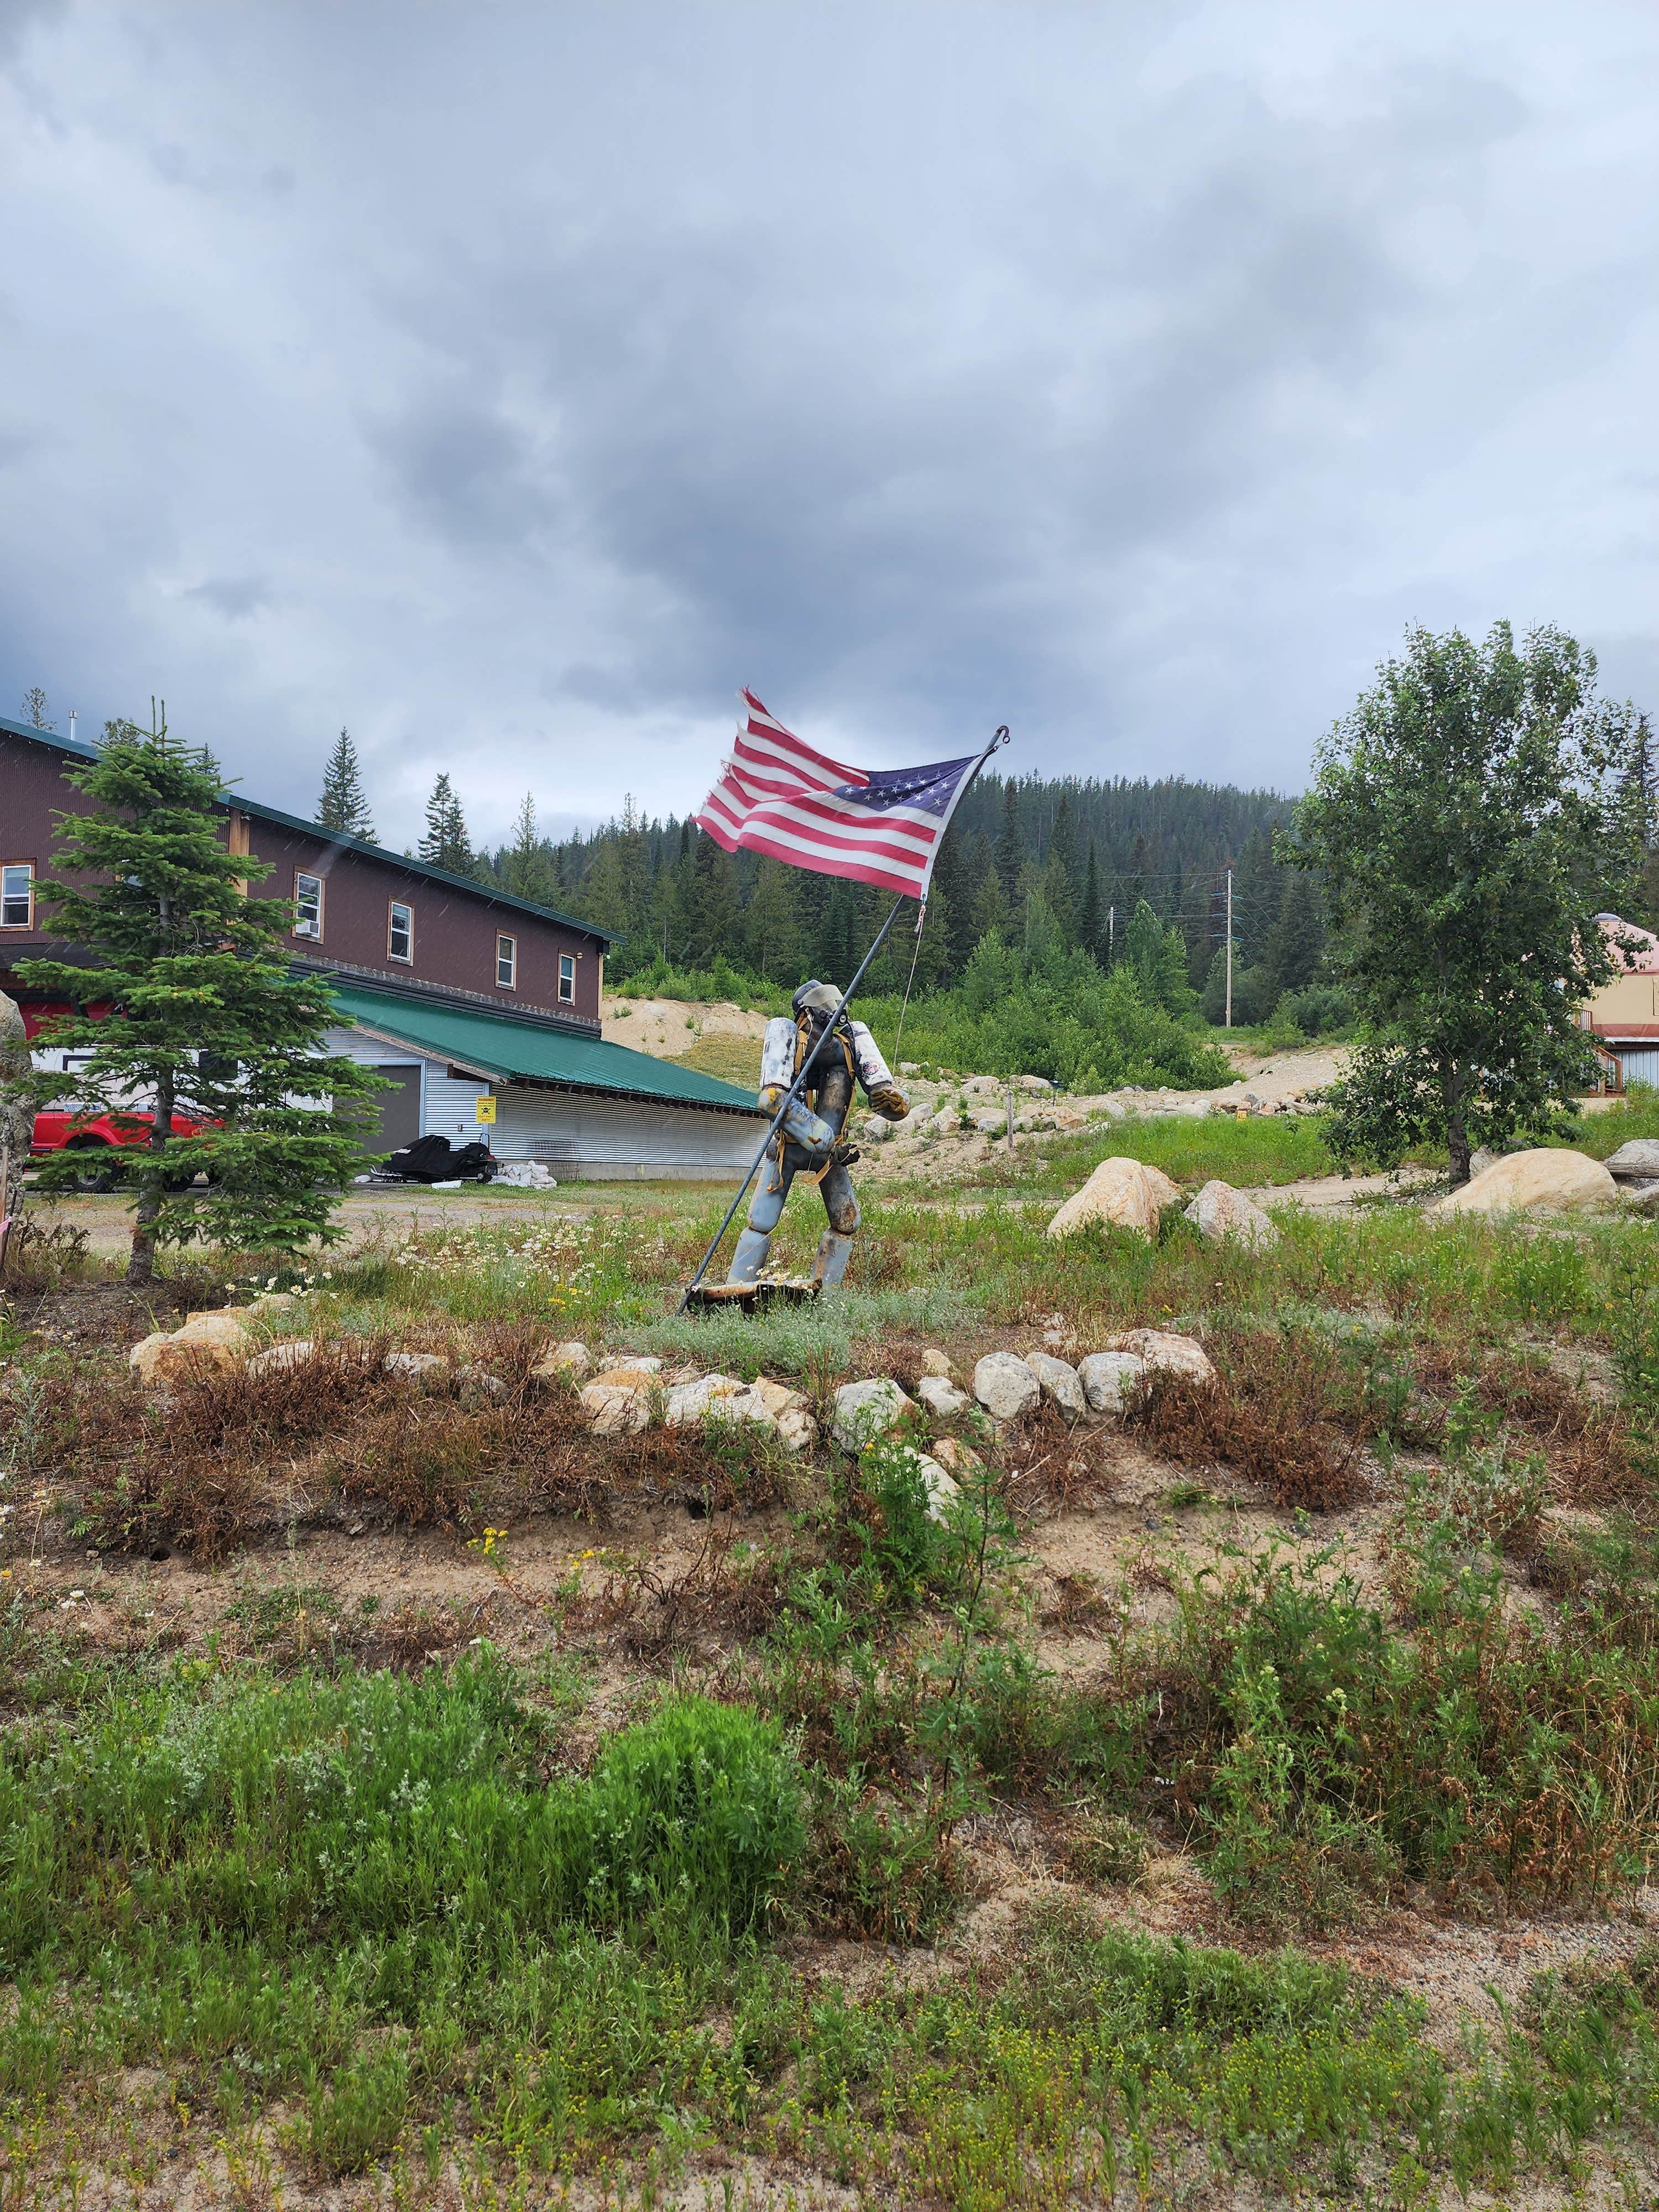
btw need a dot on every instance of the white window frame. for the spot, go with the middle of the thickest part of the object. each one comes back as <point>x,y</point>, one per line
<point>394,907</point>
<point>312,928</point>
<point>567,979</point>
<point>7,868</point>
<point>507,960</point>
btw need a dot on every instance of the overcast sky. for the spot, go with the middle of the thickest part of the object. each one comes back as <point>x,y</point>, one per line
<point>511,383</point>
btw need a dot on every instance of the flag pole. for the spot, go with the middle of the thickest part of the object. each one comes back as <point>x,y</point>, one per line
<point>824,1035</point>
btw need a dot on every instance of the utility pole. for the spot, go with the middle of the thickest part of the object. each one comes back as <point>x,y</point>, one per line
<point>1111,935</point>
<point>1230,948</point>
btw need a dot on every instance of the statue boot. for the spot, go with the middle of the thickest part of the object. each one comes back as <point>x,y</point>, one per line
<point>749,1260</point>
<point>835,1250</point>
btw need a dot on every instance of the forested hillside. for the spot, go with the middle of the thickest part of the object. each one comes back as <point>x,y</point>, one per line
<point>1057,856</point>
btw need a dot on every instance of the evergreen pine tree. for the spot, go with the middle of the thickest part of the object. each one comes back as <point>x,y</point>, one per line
<point>344,804</point>
<point>945,937</point>
<point>1011,850</point>
<point>206,1021</point>
<point>991,909</point>
<point>772,923</point>
<point>527,868</point>
<point>714,901</point>
<point>838,949</point>
<point>35,704</point>
<point>1295,944</point>
<point>1062,851</point>
<point>1092,913</point>
<point>445,843</point>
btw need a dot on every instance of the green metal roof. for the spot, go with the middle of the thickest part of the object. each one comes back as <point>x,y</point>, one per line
<point>507,1051</point>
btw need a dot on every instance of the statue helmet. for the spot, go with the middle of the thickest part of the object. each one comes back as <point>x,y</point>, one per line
<point>818,1000</point>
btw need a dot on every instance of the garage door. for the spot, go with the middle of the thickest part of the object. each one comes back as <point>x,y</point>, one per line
<point>397,1111</point>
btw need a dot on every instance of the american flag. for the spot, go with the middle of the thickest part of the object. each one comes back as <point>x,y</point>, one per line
<point>878,826</point>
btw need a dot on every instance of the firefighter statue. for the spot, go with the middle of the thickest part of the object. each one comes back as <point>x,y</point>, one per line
<point>809,1139</point>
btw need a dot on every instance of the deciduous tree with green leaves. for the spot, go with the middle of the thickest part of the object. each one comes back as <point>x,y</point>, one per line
<point>1467,819</point>
<point>205,1021</point>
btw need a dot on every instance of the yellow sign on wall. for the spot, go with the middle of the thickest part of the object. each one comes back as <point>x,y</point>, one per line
<point>484,1109</point>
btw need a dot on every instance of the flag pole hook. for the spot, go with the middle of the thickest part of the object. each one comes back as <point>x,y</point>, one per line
<point>824,1035</point>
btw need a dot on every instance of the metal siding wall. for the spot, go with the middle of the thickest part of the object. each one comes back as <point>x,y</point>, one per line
<point>628,1133</point>
<point>619,1131</point>
<point>1641,1063</point>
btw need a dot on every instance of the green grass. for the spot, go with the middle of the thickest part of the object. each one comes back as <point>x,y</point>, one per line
<point>359,1897</point>
<point>1190,1149</point>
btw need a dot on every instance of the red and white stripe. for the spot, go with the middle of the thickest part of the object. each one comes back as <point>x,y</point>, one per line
<point>776,795</point>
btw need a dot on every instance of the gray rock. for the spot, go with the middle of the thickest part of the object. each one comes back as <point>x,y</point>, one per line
<point>1222,1215</point>
<point>942,1398</point>
<point>943,1490</point>
<point>569,1363</point>
<point>1005,1386</point>
<point>935,1362</point>
<point>1108,1378</point>
<point>1640,1197</point>
<point>867,1410</point>
<point>473,1377</point>
<point>1059,1381</point>
<point>1638,1155</point>
<point>722,1397</point>
<point>797,1430</point>
<point>297,1352</point>
<point>414,1364</point>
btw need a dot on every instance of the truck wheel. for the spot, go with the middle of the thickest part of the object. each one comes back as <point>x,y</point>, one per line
<point>104,1176</point>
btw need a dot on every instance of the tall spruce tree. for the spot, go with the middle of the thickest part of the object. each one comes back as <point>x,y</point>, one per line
<point>445,843</point>
<point>344,804</point>
<point>1012,851</point>
<point>527,868</point>
<point>1091,912</point>
<point>206,1023</point>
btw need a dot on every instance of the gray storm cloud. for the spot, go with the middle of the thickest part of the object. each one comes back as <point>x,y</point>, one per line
<point>511,384</point>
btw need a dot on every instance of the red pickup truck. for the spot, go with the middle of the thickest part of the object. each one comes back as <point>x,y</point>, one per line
<point>56,1131</point>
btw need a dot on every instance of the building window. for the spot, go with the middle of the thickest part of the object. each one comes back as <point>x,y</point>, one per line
<point>307,904</point>
<point>567,979</point>
<point>17,895</point>
<point>507,962</point>
<point>400,931</point>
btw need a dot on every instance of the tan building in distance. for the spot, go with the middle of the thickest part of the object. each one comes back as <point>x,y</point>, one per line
<point>1623,1014</point>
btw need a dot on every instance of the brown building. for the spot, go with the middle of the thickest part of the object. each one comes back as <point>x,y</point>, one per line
<point>481,1011</point>
<point>360,911</point>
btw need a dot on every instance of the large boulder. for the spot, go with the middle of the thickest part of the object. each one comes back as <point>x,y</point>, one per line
<point>1108,1378</point>
<point>1548,1180</point>
<point>1058,1381</point>
<point>1125,1194</point>
<point>866,1410</point>
<point>1163,1352</point>
<point>1636,1160</point>
<point>1006,1386</point>
<point>1222,1215</point>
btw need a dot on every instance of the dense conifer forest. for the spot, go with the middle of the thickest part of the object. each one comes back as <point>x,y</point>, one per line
<point>1049,856</point>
